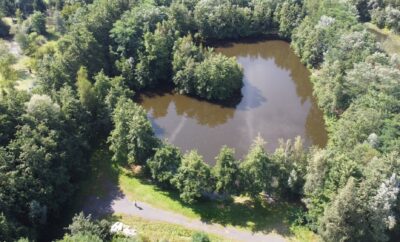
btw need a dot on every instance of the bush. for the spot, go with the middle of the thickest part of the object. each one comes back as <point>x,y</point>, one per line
<point>85,227</point>
<point>200,237</point>
<point>38,23</point>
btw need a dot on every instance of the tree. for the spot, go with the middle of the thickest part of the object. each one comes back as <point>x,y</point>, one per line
<point>8,75</point>
<point>356,124</point>
<point>185,58</point>
<point>290,162</point>
<point>85,225</point>
<point>289,17</point>
<point>218,78</point>
<point>12,106</point>
<point>165,163</point>
<point>192,178</point>
<point>128,33</point>
<point>222,19</point>
<point>85,89</point>
<point>108,90</point>
<point>340,220</point>
<point>132,140</point>
<point>182,18</point>
<point>256,169</point>
<point>38,22</point>
<point>382,205</point>
<point>263,13</point>
<point>226,172</point>
<point>200,72</point>
<point>154,64</point>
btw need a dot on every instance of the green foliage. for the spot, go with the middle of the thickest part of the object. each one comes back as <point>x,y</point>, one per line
<point>133,139</point>
<point>289,15</point>
<point>202,73</point>
<point>226,172</point>
<point>350,188</point>
<point>85,225</point>
<point>290,167</point>
<point>38,23</point>
<point>154,66</point>
<point>218,77</point>
<point>129,32</point>
<point>81,237</point>
<point>337,222</point>
<point>85,89</point>
<point>192,178</point>
<point>186,56</point>
<point>165,163</point>
<point>355,126</point>
<point>200,237</point>
<point>12,106</point>
<point>8,75</point>
<point>182,17</point>
<point>222,19</point>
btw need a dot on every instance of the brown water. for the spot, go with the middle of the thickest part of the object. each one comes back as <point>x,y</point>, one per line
<point>277,103</point>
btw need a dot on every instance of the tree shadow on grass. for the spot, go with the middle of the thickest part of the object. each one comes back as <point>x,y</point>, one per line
<point>258,216</point>
<point>102,187</point>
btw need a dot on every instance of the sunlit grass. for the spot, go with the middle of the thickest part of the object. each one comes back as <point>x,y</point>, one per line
<point>26,79</point>
<point>242,213</point>
<point>160,231</point>
<point>391,42</point>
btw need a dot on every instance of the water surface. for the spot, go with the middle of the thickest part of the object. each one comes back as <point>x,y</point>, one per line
<point>276,103</point>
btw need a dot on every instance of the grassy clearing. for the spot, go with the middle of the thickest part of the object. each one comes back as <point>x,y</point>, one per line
<point>389,40</point>
<point>26,80</point>
<point>160,231</point>
<point>243,213</point>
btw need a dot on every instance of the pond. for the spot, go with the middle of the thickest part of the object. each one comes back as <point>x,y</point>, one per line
<point>276,103</point>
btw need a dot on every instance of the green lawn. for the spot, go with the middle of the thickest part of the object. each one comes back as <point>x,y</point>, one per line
<point>389,40</point>
<point>243,213</point>
<point>160,231</point>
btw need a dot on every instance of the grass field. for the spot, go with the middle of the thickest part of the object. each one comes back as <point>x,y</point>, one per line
<point>160,231</point>
<point>390,41</point>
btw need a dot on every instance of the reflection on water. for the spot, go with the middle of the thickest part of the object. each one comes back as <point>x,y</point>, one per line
<point>277,103</point>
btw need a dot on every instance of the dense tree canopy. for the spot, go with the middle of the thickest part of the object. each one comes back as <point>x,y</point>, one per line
<point>101,53</point>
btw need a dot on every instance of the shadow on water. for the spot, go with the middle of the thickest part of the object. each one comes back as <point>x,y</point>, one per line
<point>207,113</point>
<point>158,130</point>
<point>254,99</point>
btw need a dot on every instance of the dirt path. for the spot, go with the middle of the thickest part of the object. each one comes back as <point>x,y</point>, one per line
<point>117,202</point>
<point>14,48</point>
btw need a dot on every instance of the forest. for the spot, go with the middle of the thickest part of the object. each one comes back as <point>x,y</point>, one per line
<point>91,58</point>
